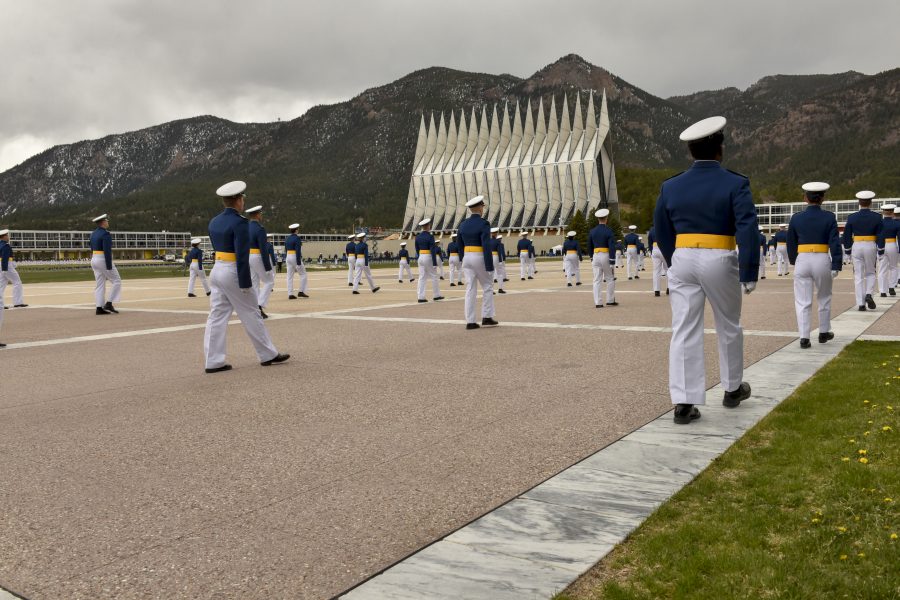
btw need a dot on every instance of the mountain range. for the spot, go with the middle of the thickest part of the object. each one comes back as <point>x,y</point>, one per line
<point>349,163</point>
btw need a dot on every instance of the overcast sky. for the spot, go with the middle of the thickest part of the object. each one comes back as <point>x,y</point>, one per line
<point>74,70</point>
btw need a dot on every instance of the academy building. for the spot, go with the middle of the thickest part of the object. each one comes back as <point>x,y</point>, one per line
<point>771,215</point>
<point>535,167</point>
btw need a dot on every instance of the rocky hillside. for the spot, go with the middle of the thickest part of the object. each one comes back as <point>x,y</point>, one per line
<point>350,162</point>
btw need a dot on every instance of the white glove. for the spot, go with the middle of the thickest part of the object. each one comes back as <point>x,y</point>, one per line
<point>748,286</point>
<point>834,274</point>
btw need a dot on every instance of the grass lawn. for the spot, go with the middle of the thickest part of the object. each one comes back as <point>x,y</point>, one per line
<point>45,275</point>
<point>806,505</point>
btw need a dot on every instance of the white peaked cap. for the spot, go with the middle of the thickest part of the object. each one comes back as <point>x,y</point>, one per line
<point>402,243</point>
<point>571,233</point>
<point>499,237</point>
<point>452,235</point>
<point>760,227</point>
<point>897,211</point>
<point>4,231</point>
<point>703,129</point>
<point>195,241</point>
<point>351,236</point>
<point>523,234</point>
<point>361,234</point>
<point>888,206</point>
<point>815,186</point>
<point>865,195</point>
<point>632,227</point>
<point>475,201</point>
<point>603,212</point>
<point>255,209</point>
<point>232,188</point>
<point>495,229</point>
<point>437,241</point>
<point>294,226</point>
<point>424,222</point>
<point>268,235</point>
<point>103,217</point>
<point>782,224</point>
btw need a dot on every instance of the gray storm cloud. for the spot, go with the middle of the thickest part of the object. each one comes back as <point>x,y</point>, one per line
<point>78,70</point>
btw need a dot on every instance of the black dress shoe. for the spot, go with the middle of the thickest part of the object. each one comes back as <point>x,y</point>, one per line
<point>442,278</point>
<point>612,303</point>
<point>302,295</point>
<point>824,337</point>
<point>804,343</point>
<point>278,359</point>
<point>488,322</point>
<point>422,300</point>
<point>501,291</point>
<point>19,305</point>
<point>862,308</point>
<point>262,313</point>
<point>667,291</point>
<point>523,279</point>
<point>656,293</point>
<point>438,298</point>
<point>472,326</point>
<point>732,399</point>
<point>452,285</point>
<point>505,280</point>
<point>375,289</point>
<point>350,284</point>
<point>110,308</point>
<point>101,311</point>
<point>598,306</point>
<point>356,292</point>
<point>630,278</point>
<point>891,292</point>
<point>411,280</point>
<point>870,302</point>
<point>578,283</point>
<point>2,345</point>
<point>292,297</point>
<point>763,277</point>
<point>884,295</point>
<point>637,276</point>
<point>208,293</point>
<point>569,284</point>
<point>399,281</point>
<point>219,369</point>
<point>531,278</point>
<point>192,295</point>
<point>685,413</point>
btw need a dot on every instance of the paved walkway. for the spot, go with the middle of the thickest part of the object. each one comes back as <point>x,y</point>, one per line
<point>540,542</point>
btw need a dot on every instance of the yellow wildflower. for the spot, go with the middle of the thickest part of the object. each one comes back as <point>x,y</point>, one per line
<point>887,428</point>
<point>864,460</point>
<point>856,518</point>
<point>862,452</point>
<point>861,555</point>
<point>865,433</point>
<point>843,557</point>
<point>865,401</point>
<point>842,529</point>
<point>845,458</point>
<point>816,520</point>
<point>888,499</point>
<point>893,536</point>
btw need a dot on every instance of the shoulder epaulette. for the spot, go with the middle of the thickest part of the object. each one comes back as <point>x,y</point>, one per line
<point>738,174</point>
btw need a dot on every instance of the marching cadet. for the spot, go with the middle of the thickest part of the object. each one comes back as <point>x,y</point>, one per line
<point>455,264</point>
<point>814,248</point>
<point>763,244</point>
<point>772,244</point>
<point>887,244</point>
<point>293,248</point>
<point>572,258</point>
<point>8,272</point>
<point>350,251</point>
<point>273,258</point>
<point>232,287</point>
<point>523,248</point>
<point>641,253</point>
<point>261,272</point>
<point>194,259</point>
<point>362,264</point>
<point>699,216</point>
<point>498,254</point>
<point>781,255</point>
<point>532,256</point>
<point>427,262</point>
<point>403,255</point>
<point>475,242</point>
<point>602,248</point>
<point>630,243</point>
<point>439,260</point>
<point>102,264</point>
<point>5,259</point>
<point>658,262</point>
<point>861,241</point>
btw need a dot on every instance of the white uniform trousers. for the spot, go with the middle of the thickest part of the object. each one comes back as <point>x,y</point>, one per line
<point>362,269</point>
<point>263,281</point>
<point>697,275</point>
<point>12,276</point>
<point>762,262</point>
<point>500,271</point>
<point>439,269</point>
<point>295,267</point>
<point>227,297</point>
<point>351,268</point>
<point>3,282</point>
<point>812,270</point>
<point>631,258</point>
<point>101,276</point>
<point>524,265</point>
<point>455,270</point>
<point>864,255</point>
<point>603,270</point>
<point>426,272</point>
<point>887,268</point>
<point>571,267</point>
<point>532,265</point>
<point>771,256</point>
<point>197,273</point>
<point>781,255</point>
<point>473,265</point>
<point>404,268</point>
<point>659,266</point>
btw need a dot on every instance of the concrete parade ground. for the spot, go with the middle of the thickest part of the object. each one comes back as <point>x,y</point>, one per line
<point>127,472</point>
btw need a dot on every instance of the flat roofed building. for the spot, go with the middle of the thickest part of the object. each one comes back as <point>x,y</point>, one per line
<point>771,215</point>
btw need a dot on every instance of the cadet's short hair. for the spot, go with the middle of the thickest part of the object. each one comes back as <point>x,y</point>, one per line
<point>707,148</point>
<point>815,197</point>
<point>230,201</point>
<point>865,203</point>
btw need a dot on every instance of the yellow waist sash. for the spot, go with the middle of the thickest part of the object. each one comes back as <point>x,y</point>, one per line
<point>351,256</point>
<point>891,240</point>
<point>473,249</point>
<point>226,256</point>
<point>292,252</point>
<point>632,245</point>
<point>812,248</point>
<point>98,252</point>
<point>255,251</point>
<point>863,238</point>
<point>456,254</point>
<point>495,253</point>
<point>599,250</point>
<point>571,251</point>
<point>708,241</point>
<point>195,260</point>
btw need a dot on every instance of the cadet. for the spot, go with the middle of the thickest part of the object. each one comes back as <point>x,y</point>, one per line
<point>439,260</point>
<point>362,264</point>
<point>194,260</point>
<point>455,264</point>
<point>524,249</point>
<point>642,253</point>
<point>293,247</point>
<point>772,244</point>
<point>631,244</point>
<point>403,255</point>
<point>8,272</point>
<point>887,244</point>
<point>273,258</point>
<point>261,272</point>
<point>475,242</point>
<point>762,253</point>
<point>532,257</point>
<point>659,263</point>
<point>602,247</point>
<point>781,255</point>
<point>572,258</point>
<point>350,251</point>
<point>861,241</point>
<point>699,216</point>
<point>229,234</point>
<point>814,248</point>
<point>498,254</point>
<point>426,260</point>
<point>5,259</point>
<point>102,264</point>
